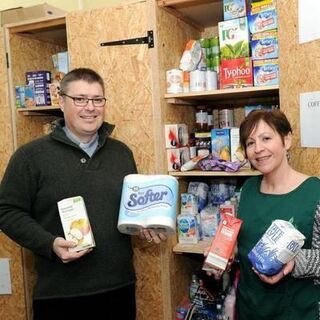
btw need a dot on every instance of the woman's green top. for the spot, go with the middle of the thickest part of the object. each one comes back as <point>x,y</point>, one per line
<point>291,298</point>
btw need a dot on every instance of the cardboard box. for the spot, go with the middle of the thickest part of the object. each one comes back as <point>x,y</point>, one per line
<point>234,38</point>
<point>220,143</point>
<point>176,135</point>
<point>236,73</point>
<point>40,80</point>
<point>266,72</point>
<point>177,157</point>
<point>233,9</point>
<point>19,14</point>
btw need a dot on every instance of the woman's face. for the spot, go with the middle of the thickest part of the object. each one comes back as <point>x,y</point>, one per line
<point>265,148</point>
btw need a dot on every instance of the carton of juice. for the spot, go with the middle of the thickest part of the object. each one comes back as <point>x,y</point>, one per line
<point>75,223</point>
<point>223,244</point>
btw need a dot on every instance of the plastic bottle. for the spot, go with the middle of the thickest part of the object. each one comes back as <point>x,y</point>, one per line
<point>210,119</point>
<point>201,119</point>
<point>219,315</point>
<point>230,305</point>
<point>194,287</point>
<point>181,313</point>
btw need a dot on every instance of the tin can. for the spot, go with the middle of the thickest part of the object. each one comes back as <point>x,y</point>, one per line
<point>211,80</point>
<point>186,81</point>
<point>225,118</point>
<point>174,81</point>
<point>197,80</point>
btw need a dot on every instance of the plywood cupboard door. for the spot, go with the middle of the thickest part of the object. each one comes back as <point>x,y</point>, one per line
<point>12,307</point>
<point>126,70</point>
<point>127,73</point>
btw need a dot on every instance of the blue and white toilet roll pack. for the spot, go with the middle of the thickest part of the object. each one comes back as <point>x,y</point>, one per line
<point>148,201</point>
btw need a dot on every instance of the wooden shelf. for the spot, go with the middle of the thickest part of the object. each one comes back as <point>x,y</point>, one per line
<point>40,111</point>
<point>52,30</point>
<point>200,13</point>
<point>224,95</point>
<point>196,173</point>
<point>198,248</point>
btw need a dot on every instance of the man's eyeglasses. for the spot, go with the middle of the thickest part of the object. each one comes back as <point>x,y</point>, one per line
<point>83,101</point>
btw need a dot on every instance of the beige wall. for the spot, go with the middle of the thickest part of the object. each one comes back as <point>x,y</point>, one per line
<point>69,5</point>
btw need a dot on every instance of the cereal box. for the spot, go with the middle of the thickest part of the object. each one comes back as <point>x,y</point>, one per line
<point>220,143</point>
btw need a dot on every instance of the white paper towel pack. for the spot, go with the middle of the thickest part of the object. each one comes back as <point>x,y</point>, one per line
<point>148,201</point>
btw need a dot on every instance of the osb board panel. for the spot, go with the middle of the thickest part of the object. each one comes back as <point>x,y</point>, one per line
<point>173,34</point>
<point>299,73</point>
<point>210,32</point>
<point>29,55</point>
<point>30,127</point>
<point>126,70</point>
<point>12,307</point>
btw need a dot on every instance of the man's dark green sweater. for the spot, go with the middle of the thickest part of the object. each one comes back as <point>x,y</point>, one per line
<point>53,168</point>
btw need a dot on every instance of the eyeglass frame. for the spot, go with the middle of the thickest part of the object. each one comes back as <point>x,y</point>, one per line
<point>85,98</point>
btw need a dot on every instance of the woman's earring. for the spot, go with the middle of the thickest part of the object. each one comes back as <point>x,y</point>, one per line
<point>288,155</point>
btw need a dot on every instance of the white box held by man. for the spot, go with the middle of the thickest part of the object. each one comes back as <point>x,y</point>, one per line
<point>75,223</point>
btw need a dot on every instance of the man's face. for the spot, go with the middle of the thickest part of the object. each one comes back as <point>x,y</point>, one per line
<point>82,121</point>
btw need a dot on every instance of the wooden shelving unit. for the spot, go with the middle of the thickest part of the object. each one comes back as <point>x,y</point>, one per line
<point>233,96</point>
<point>199,13</point>
<point>197,248</point>
<point>46,110</point>
<point>199,173</point>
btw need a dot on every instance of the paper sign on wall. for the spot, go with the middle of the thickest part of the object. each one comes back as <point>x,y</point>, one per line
<point>310,119</point>
<point>5,279</point>
<point>308,12</point>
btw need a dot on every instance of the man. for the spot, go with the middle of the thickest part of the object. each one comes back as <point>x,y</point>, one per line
<point>79,158</point>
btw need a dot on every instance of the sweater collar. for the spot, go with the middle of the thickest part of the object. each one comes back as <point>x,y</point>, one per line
<point>104,132</point>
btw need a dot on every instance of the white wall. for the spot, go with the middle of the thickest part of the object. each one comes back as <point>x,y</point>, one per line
<point>68,5</point>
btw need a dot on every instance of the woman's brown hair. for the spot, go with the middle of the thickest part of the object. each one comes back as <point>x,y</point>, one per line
<point>275,118</point>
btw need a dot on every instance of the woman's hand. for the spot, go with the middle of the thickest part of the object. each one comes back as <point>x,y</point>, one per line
<point>215,272</point>
<point>276,277</point>
<point>152,236</point>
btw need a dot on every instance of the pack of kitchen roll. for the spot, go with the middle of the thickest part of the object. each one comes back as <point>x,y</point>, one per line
<point>148,201</point>
<point>278,245</point>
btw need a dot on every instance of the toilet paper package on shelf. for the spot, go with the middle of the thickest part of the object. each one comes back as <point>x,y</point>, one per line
<point>148,201</point>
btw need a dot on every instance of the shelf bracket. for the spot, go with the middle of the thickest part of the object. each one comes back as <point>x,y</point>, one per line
<point>148,39</point>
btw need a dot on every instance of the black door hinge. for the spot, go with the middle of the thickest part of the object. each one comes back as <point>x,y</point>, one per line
<point>148,39</point>
<point>7,60</point>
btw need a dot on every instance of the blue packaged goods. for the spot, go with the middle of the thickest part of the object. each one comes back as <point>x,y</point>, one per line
<point>278,245</point>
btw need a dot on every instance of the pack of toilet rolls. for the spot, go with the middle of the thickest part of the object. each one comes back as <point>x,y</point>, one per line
<point>148,201</point>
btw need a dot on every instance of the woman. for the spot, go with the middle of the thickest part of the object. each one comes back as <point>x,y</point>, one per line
<point>279,193</point>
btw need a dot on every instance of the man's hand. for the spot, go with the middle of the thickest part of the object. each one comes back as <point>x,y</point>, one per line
<point>61,246</point>
<point>151,235</point>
